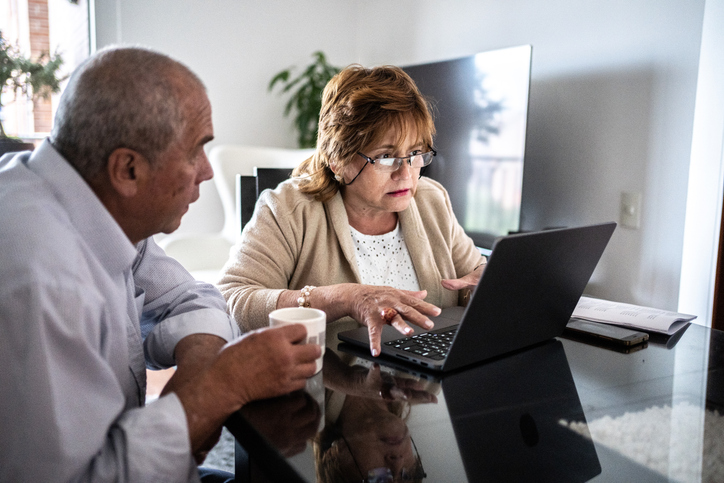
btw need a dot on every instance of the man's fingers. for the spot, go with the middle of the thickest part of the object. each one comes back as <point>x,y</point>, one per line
<point>305,357</point>
<point>294,333</point>
<point>305,371</point>
<point>305,353</point>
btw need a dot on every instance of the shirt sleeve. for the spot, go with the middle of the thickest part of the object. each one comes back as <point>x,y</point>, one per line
<point>63,414</point>
<point>173,305</point>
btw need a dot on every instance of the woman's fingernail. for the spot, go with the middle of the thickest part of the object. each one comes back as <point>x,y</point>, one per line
<point>398,393</point>
<point>375,352</point>
<point>429,324</point>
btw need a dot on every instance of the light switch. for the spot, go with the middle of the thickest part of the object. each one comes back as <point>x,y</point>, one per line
<point>631,210</point>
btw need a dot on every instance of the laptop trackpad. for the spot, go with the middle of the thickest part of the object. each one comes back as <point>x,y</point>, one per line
<point>449,316</point>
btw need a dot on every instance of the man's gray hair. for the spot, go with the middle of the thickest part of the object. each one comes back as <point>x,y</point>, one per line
<point>121,97</point>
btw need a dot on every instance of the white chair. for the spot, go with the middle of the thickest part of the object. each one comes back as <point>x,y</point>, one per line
<point>230,160</point>
<point>204,255</point>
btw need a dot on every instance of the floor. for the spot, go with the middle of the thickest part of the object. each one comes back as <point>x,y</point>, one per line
<point>155,381</point>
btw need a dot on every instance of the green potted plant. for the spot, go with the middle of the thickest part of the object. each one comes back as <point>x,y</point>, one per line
<point>35,79</point>
<point>306,96</point>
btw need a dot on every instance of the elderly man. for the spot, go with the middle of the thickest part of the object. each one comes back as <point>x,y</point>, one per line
<point>88,301</point>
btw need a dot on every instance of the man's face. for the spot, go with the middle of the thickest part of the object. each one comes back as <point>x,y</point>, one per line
<point>179,171</point>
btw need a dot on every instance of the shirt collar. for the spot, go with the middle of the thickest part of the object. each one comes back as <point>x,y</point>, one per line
<point>88,215</point>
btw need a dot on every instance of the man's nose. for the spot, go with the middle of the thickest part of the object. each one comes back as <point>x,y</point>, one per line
<point>206,172</point>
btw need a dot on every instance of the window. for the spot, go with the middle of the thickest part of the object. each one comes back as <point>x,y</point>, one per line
<point>37,26</point>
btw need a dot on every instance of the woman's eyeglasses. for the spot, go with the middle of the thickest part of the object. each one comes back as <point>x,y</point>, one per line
<point>385,475</point>
<point>390,165</point>
<point>393,164</point>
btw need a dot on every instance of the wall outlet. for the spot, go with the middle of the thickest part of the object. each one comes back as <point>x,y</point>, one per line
<point>631,210</point>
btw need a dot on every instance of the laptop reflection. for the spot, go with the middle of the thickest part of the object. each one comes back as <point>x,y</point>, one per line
<point>507,418</point>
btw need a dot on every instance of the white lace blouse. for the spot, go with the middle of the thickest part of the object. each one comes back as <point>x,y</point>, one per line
<point>385,260</point>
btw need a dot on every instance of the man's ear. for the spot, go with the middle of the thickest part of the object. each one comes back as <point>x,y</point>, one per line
<point>127,170</point>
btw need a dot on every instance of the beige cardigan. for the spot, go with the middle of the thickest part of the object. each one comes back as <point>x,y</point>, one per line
<point>293,240</point>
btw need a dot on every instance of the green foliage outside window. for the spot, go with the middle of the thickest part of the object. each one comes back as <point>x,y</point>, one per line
<point>35,79</point>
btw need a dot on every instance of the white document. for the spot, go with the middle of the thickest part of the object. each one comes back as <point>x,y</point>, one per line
<point>633,316</point>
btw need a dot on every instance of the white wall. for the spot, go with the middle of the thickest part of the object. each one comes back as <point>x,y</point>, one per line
<point>236,47</point>
<point>706,173</point>
<point>612,97</point>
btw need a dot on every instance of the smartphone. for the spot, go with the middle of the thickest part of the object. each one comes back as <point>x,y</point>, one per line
<point>609,333</point>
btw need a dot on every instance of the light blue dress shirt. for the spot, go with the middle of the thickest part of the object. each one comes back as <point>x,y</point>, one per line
<point>83,312</point>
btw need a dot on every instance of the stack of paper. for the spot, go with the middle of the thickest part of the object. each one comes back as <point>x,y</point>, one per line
<point>633,316</point>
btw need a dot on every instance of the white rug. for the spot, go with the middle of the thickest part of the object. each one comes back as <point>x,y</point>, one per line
<point>221,456</point>
<point>666,440</point>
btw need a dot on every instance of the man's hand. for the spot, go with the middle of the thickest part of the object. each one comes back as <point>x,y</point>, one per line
<point>193,354</point>
<point>268,362</point>
<point>262,364</point>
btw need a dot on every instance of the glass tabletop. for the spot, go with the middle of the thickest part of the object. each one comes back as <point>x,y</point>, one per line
<point>564,410</point>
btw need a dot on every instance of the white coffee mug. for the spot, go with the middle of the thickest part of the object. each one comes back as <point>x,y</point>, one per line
<point>314,320</point>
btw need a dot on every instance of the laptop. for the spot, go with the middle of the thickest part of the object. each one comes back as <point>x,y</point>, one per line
<point>526,295</point>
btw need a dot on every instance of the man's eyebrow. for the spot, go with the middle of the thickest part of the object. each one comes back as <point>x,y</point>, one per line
<point>206,140</point>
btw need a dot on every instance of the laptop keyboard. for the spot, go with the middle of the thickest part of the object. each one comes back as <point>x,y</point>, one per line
<point>433,345</point>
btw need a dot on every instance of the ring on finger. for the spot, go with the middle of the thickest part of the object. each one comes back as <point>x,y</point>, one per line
<point>388,314</point>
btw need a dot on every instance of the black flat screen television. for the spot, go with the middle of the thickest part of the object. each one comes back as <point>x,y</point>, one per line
<point>480,107</point>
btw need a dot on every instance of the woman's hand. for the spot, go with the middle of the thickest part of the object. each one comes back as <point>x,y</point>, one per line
<point>468,281</point>
<point>369,305</point>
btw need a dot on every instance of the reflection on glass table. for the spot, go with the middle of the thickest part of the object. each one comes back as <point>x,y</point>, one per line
<point>497,421</point>
<point>659,409</point>
<point>365,437</point>
<point>506,416</point>
<point>561,411</point>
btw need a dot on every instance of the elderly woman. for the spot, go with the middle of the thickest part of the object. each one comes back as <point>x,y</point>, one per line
<point>357,232</point>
